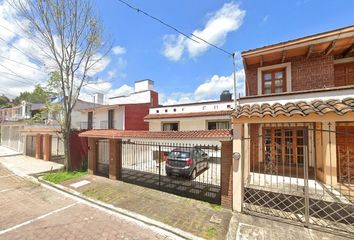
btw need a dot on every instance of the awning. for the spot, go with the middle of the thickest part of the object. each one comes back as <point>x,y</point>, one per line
<point>205,134</point>
<point>301,108</point>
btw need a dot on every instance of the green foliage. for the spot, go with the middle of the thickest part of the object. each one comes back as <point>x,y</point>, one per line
<point>38,95</point>
<point>4,101</point>
<point>61,176</point>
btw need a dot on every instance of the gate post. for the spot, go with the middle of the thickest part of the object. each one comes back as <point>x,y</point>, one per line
<point>47,152</point>
<point>38,146</point>
<point>238,168</point>
<point>226,174</point>
<point>92,155</point>
<point>115,158</point>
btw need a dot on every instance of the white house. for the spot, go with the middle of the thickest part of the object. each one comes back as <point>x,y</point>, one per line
<point>192,116</point>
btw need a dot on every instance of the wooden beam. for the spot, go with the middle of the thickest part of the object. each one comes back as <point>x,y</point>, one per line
<point>348,51</point>
<point>283,57</point>
<point>244,63</point>
<point>330,48</point>
<point>261,61</point>
<point>309,51</point>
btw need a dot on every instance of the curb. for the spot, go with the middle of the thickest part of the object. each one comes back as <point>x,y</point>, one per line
<point>132,215</point>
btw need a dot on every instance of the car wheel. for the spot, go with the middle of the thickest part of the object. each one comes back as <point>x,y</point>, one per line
<point>194,174</point>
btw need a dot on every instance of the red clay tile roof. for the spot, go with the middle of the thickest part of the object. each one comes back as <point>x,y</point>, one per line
<point>113,133</point>
<point>191,114</point>
<point>301,108</point>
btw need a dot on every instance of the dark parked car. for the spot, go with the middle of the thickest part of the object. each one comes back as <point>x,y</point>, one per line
<point>186,162</point>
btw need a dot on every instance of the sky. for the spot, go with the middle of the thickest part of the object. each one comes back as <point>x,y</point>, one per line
<point>182,70</point>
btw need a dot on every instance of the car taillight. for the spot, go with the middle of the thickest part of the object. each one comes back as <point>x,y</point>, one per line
<point>189,162</point>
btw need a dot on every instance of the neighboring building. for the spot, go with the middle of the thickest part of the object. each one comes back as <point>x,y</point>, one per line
<point>295,129</point>
<point>123,112</point>
<point>192,116</point>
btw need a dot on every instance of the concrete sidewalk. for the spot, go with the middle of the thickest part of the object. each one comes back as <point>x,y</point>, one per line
<point>23,165</point>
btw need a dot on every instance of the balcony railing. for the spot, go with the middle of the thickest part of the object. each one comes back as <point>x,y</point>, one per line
<point>85,125</point>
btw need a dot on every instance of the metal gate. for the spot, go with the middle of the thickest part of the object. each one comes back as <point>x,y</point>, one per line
<point>103,158</point>
<point>301,173</point>
<point>31,146</point>
<point>58,154</point>
<point>189,170</point>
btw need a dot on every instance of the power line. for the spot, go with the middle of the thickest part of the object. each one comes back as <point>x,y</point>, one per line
<point>20,63</point>
<point>189,36</point>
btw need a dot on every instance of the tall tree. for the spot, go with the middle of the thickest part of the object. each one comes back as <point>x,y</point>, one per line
<point>4,101</point>
<point>68,33</point>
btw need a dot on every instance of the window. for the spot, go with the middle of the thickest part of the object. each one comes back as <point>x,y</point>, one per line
<point>170,127</point>
<point>274,81</point>
<point>284,145</point>
<point>89,120</point>
<point>218,125</point>
<point>344,74</point>
<point>111,119</point>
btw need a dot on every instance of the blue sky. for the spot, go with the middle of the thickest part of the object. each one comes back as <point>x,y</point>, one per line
<point>185,72</point>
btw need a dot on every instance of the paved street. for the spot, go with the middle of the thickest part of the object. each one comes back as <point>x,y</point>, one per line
<point>30,211</point>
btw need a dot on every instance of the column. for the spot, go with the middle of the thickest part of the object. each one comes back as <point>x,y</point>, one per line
<point>47,151</point>
<point>39,144</point>
<point>115,158</point>
<point>237,168</point>
<point>329,153</point>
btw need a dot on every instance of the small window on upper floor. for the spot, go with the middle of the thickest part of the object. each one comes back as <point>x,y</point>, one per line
<point>170,126</point>
<point>204,107</point>
<point>216,107</point>
<point>166,110</point>
<point>344,74</point>
<point>274,81</point>
<point>218,125</point>
<point>174,109</point>
<point>157,111</point>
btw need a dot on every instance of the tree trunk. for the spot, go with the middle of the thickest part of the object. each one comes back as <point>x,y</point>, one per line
<point>67,155</point>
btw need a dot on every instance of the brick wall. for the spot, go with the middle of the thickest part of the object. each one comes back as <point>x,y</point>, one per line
<point>226,174</point>
<point>255,141</point>
<point>134,117</point>
<point>314,73</point>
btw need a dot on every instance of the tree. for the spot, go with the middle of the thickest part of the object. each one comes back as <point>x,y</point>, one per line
<point>4,101</point>
<point>38,95</point>
<point>70,38</point>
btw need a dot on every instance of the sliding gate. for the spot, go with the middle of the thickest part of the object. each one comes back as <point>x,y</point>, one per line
<point>289,181</point>
<point>195,171</point>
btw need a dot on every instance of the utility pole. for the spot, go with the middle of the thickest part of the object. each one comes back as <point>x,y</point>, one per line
<point>235,82</point>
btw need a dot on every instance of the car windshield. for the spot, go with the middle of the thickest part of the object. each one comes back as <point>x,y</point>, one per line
<point>178,154</point>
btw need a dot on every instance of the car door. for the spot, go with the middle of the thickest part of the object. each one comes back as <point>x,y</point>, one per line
<point>197,159</point>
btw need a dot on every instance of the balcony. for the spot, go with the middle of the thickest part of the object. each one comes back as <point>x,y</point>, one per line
<point>85,125</point>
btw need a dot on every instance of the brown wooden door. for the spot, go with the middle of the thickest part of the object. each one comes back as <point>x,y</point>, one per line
<point>345,153</point>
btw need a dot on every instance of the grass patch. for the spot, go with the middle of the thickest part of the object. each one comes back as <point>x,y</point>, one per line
<point>59,177</point>
<point>211,233</point>
<point>215,207</point>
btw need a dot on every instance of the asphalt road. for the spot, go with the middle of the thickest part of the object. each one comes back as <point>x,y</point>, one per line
<point>31,211</point>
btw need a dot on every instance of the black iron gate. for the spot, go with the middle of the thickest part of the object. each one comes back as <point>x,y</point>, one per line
<point>189,170</point>
<point>302,173</point>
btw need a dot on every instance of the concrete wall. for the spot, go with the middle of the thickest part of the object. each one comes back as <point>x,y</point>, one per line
<point>101,115</point>
<point>11,138</point>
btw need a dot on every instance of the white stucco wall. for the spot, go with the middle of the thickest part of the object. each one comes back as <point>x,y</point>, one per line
<point>101,115</point>
<point>186,124</point>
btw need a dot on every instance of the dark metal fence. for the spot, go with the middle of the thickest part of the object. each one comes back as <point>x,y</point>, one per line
<point>103,158</point>
<point>302,172</point>
<point>190,170</point>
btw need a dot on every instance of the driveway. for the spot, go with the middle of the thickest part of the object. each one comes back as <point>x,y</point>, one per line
<point>30,211</point>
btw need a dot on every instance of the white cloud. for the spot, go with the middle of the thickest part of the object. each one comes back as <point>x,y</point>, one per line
<point>118,50</point>
<point>227,19</point>
<point>208,90</point>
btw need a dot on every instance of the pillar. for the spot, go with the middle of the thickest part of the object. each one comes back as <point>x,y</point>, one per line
<point>92,155</point>
<point>39,144</point>
<point>47,151</point>
<point>226,174</point>
<point>238,166</point>
<point>115,158</point>
<point>329,153</point>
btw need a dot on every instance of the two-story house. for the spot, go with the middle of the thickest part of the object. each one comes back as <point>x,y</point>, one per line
<point>208,115</point>
<point>295,126</point>
<point>122,112</point>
